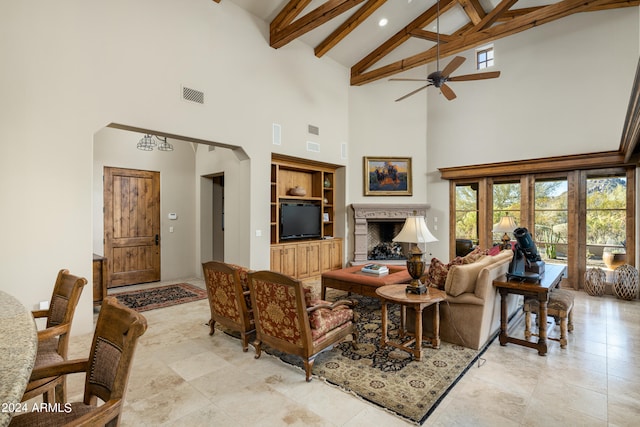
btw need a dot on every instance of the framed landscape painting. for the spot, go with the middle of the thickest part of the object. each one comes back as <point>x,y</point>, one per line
<point>387,176</point>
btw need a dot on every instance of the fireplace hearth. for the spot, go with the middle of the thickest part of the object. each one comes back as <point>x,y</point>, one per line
<point>375,226</point>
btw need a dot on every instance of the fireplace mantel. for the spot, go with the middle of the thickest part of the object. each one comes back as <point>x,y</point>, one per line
<point>363,213</point>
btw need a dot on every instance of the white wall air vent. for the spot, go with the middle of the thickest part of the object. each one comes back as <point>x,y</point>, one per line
<point>314,130</point>
<point>313,147</point>
<point>192,95</point>
<point>277,134</point>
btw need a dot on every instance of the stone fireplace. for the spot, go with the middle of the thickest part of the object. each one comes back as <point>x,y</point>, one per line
<point>375,225</point>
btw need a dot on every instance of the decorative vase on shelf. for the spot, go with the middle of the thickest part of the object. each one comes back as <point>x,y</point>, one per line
<point>327,183</point>
<point>298,191</point>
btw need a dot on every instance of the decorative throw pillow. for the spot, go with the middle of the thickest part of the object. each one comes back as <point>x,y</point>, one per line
<point>475,255</point>
<point>495,250</point>
<point>437,274</point>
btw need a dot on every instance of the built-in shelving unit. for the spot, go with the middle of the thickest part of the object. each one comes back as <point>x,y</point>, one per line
<point>304,258</point>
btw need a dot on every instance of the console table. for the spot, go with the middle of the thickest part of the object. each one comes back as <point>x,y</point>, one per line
<point>540,290</point>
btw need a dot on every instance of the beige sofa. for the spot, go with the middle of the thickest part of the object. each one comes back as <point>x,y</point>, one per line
<point>470,316</point>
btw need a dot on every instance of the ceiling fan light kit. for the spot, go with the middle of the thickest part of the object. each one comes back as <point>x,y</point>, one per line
<point>439,78</point>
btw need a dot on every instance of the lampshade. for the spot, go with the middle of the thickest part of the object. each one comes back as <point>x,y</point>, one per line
<point>415,231</point>
<point>506,225</point>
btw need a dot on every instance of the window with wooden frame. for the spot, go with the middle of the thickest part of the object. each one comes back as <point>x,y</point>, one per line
<point>565,210</point>
<point>551,219</point>
<point>484,58</point>
<point>606,220</point>
<point>466,217</point>
<point>507,199</point>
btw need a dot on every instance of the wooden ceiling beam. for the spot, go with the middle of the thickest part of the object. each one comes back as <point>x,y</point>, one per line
<point>348,26</point>
<point>431,36</point>
<point>401,36</point>
<point>491,17</point>
<point>476,38</point>
<point>288,14</point>
<point>281,35</point>
<point>473,9</point>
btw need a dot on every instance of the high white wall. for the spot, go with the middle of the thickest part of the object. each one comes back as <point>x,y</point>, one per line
<point>71,67</point>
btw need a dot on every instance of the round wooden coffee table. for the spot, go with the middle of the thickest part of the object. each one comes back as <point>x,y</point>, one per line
<point>397,294</point>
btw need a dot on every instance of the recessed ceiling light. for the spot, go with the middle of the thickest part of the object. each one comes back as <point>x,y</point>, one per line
<point>383,22</point>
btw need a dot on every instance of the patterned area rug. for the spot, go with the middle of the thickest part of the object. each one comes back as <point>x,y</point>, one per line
<point>387,376</point>
<point>161,297</point>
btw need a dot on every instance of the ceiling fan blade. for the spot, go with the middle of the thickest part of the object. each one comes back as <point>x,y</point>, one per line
<point>477,76</point>
<point>414,92</point>
<point>408,80</point>
<point>453,65</point>
<point>447,92</point>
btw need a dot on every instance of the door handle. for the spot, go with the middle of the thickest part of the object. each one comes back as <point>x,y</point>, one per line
<point>157,239</point>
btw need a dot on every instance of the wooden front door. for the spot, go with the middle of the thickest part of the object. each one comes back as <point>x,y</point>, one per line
<point>131,226</point>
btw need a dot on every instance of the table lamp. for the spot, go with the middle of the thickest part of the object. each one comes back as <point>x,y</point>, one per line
<point>506,225</point>
<point>415,231</point>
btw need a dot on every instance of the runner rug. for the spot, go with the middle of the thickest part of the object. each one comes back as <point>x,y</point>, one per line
<point>161,297</point>
<point>387,376</point>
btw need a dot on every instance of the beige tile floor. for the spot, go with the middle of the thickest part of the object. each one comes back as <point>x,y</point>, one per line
<point>183,377</point>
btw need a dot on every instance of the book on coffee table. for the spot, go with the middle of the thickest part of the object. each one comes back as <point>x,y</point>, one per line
<point>377,269</point>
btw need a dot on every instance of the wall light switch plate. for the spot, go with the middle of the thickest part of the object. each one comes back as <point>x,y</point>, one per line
<point>173,216</point>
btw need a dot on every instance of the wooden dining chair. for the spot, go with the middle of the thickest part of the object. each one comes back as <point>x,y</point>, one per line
<point>106,372</point>
<point>53,341</point>
<point>290,320</point>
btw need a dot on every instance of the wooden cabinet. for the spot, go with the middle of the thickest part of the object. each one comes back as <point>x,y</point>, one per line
<point>306,259</point>
<point>315,178</point>
<point>309,258</point>
<point>331,254</point>
<point>99,279</point>
<point>283,259</point>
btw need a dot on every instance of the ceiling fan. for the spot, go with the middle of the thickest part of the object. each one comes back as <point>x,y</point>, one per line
<point>439,78</point>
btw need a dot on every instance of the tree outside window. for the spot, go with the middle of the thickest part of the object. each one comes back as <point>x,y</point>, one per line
<point>467,212</point>
<point>606,221</point>
<point>506,201</point>
<point>551,219</point>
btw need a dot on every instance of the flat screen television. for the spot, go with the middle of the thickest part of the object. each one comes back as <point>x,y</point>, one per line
<point>299,221</point>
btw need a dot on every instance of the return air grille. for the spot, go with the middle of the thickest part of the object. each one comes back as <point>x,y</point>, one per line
<point>192,95</point>
<point>313,147</point>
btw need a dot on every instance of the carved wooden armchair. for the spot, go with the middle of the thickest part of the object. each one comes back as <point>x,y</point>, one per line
<point>289,320</point>
<point>53,342</point>
<point>229,300</point>
<point>107,372</point>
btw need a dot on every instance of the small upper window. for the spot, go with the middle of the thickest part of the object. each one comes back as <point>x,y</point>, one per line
<point>484,58</point>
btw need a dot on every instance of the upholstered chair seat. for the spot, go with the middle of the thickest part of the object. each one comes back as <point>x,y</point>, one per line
<point>290,319</point>
<point>559,306</point>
